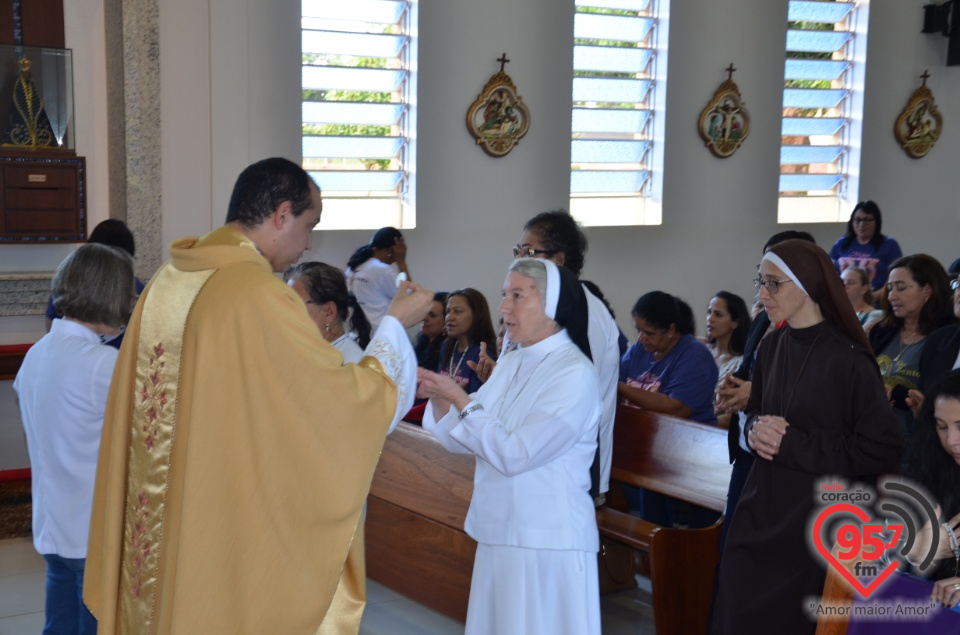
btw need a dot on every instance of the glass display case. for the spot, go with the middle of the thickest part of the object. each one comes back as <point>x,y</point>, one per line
<point>36,99</point>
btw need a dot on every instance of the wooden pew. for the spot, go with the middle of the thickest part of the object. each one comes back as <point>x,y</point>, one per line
<point>687,461</point>
<point>837,592</point>
<point>11,356</point>
<point>420,495</point>
<point>415,540</point>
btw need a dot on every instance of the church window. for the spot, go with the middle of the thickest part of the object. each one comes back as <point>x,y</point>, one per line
<point>357,117</point>
<point>822,110</point>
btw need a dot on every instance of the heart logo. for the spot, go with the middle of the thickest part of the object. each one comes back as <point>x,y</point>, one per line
<point>836,564</point>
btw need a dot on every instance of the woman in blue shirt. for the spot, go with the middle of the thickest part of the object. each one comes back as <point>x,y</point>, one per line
<point>865,246</point>
<point>668,370</point>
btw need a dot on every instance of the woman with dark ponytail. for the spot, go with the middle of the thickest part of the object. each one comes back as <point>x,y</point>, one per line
<point>324,291</point>
<point>372,272</point>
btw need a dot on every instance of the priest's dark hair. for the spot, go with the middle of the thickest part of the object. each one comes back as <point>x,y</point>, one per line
<point>263,186</point>
<point>94,284</point>
<point>929,464</point>
<point>325,283</point>
<point>661,310</point>
<point>559,232</point>
<point>866,207</point>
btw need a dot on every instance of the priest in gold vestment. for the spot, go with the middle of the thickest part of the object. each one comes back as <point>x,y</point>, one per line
<point>237,448</point>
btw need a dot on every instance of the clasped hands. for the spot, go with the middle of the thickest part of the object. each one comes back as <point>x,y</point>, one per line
<point>732,395</point>
<point>766,434</point>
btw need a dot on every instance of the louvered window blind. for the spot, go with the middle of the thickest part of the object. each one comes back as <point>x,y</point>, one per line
<point>818,103</point>
<point>613,61</point>
<point>355,76</point>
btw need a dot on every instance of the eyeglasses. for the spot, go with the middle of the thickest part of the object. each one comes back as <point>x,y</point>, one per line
<point>863,220</point>
<point>772,286</point>
<point>526,251</point>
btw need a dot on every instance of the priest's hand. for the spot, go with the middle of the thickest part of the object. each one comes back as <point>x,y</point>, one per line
<point>410,304</point>
<point>766,435</point>
<point>442,391</point>
<point>484,367</point>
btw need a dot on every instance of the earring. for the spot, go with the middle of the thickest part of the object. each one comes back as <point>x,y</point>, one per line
<point>326,327</point>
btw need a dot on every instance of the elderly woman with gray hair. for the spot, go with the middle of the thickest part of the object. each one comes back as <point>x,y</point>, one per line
<point>533,429</point>
<point>62,390</point>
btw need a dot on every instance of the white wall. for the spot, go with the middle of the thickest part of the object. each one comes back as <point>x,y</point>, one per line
<point>230,86</point>
<point>716,213</point>
<point>230,82</point>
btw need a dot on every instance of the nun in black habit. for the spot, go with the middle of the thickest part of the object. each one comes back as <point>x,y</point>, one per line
<point>817,409</point>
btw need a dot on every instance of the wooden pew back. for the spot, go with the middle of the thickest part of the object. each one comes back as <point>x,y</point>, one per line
<point>687,461</point>
<point>682,459</point>
<point>415,541</point>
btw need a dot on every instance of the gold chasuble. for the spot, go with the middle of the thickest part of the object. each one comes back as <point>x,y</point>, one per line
<point>236,455</point>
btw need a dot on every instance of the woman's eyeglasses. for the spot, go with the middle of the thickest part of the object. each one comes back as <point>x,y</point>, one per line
<point>526,251</point>
<point>772,286</point>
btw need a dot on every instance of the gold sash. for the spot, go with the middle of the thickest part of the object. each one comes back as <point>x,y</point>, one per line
<point>165,313</point>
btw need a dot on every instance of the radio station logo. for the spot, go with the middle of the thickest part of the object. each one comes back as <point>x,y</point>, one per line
<point>873,535</point>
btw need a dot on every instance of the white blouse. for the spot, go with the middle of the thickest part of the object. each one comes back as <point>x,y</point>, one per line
<point>62,388</point>
<point>535,440</point>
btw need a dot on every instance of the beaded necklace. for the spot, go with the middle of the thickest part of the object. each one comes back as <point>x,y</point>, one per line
<point>451,369</point>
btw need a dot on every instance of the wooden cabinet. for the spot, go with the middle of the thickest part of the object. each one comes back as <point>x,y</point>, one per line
<point>42,199</point>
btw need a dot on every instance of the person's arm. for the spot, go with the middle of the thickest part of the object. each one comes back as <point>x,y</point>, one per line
<point>687,383</point>
<point>441,416</point>
<point>655,401</point>
<point>893,251</point>
<point>400,256</point>
<point>734,393</point>
<point>871,442</point>
<point>561,414</point>
<point>658,402</point>
<point>390,345</point>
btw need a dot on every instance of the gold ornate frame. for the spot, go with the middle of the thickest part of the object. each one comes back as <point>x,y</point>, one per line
<point>919,125</point>
<point>498,118</point>
<point>724,123</point>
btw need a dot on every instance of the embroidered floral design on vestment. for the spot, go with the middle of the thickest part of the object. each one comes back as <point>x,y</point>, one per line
<point>392,365</point>
<point>153,396</point>
<point>139,547</point>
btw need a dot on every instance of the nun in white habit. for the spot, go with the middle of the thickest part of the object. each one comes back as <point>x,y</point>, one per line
<point>533,428</point>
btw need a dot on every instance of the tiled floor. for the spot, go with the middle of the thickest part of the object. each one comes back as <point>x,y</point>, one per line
<point>388,613</point>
